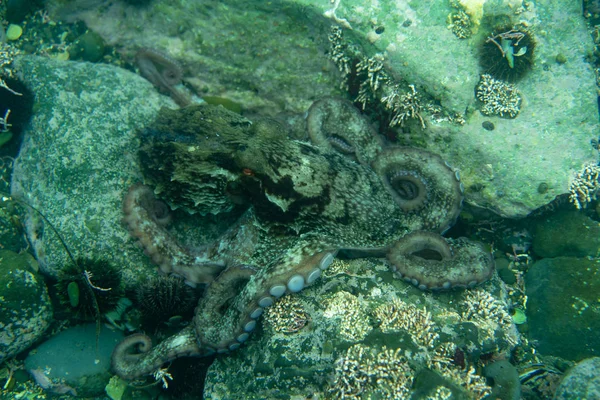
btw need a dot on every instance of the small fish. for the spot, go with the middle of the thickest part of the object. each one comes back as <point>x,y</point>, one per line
<point>534,372</point>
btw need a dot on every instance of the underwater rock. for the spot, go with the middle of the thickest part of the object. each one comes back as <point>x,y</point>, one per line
<point>581,382</point>
<point>567,234</point>
<point>25,309</point>
<point>238,59</point>
<point>69,362</point>
<point>88,47</point>
<point>415,44</point>
<point>11,234</point>
<point>562,295</point>
<point>79,154</point>
<point>506,380</point>
<point>539,145</point>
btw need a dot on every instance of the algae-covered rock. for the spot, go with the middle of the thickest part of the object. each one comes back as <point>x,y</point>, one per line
<point>11,234</point>
<point>581,382</point>
<point>334,338</point>
<point>25,309</point>
<point>506,380</point>
<point>562,306</point>
<point>70,362</point>
<point>567,233</point>
<point>230,49</point>
<point>88,47</point>
<point>79,155</point>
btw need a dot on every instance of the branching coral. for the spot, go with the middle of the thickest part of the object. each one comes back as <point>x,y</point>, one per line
<point>287,315</point>
<point>460,24</point>
<point>398,315</point>
<point>443,362</point>
<point>345,307</point>
<point>365,371</point>
<point>403,106</point>
<point>489,314</point>
<point>584,187</point>
<point>375,85</point>
<point>498,98</point>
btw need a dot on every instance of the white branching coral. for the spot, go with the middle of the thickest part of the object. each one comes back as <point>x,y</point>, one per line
<point>460,24</point>
<point>489,314</point>
<point>584,187</point>
<point>288,315</point>
<point>373,68</point>
<point>480,305</point>
<point>403,106</point>
<point>441,393</point>
<point>375,85</point>
<point>498,98</point>
<point>348,310</point>
<point>367,371</point>
<point>338,51</point>
<point>398,315</point>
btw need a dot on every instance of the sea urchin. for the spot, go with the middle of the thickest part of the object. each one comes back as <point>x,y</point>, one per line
<point>507,55</point>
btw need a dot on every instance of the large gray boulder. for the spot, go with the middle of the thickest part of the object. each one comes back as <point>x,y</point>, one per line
<point>561,294</point>
<point>581,382</point>
<point>79,155</point>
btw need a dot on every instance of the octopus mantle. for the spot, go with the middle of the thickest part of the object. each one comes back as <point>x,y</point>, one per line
<point>301,205</point>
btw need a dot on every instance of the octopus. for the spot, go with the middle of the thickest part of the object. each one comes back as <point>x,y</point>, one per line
<point>297,206</point>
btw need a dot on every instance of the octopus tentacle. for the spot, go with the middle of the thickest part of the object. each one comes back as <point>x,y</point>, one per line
<point>421,181</point>
<point>430,262</point>
<point>164,73</point>
<point>146,216</point>
<point>216,329</point>
<point>135,356</point>
<point>226,329</point>
<point>216,300</point>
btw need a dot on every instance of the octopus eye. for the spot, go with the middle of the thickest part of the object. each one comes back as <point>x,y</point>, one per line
<point>408,189</point>
<point>247,172</point>
<point>157,209</point>
<point>160,212</point>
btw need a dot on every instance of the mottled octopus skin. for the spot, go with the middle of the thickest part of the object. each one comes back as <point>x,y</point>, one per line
<point>302,205</point>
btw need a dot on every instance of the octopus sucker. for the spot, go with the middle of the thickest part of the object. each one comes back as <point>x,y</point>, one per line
<point>354,138</point>
<point>409,190</point>
<point>246,310</point>
<point>293,206</point>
